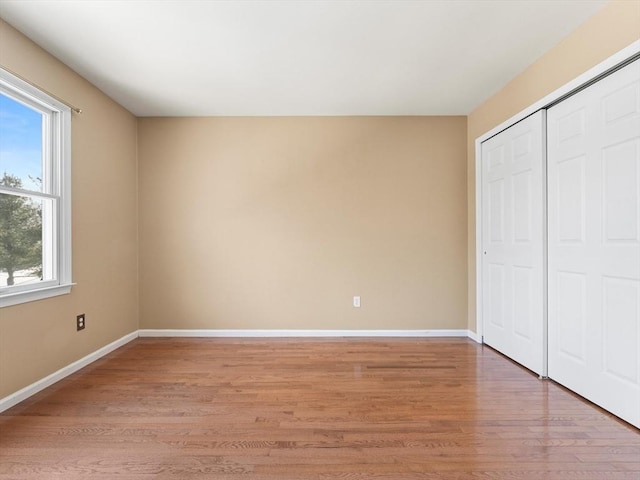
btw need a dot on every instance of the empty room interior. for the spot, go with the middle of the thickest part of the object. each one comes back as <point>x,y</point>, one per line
<point>320,239</point>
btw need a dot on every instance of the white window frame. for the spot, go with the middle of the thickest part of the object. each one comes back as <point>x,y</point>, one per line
<point>57,165</point>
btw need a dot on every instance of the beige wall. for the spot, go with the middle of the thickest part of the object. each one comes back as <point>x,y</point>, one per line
<point>271,223</point>
<point>616,26</point>
<point>39,338</point>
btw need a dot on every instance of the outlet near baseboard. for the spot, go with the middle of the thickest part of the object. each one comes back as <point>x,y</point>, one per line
<point>80,323</point>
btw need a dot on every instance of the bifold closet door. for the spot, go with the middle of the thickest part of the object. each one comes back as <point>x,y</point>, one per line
<point>594,242</point>
<point>513,199</point>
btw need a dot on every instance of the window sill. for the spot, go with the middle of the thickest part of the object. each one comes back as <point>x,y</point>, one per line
<point>17,298</point>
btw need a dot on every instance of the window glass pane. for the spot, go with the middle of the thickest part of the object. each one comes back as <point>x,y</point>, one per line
<point>24,223</point>
<point>20,145</point>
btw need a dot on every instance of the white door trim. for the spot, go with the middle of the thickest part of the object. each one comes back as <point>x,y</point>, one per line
<point>587,77</point>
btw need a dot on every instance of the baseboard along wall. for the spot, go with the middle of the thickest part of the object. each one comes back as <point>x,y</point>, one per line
<point>26,392</point>
<point>302,333</point>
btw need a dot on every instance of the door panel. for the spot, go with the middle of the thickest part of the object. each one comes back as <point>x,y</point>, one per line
<point>620,195</point>
<point>570,200</point>
<point>621,298</point>
<point>523,206</point>
<point>522,298</point>
<point>571,289</point>
<point>513,234</point>
<point>594,242</point>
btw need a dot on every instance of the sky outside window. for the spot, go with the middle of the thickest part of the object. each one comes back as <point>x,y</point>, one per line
<point>21,142</point>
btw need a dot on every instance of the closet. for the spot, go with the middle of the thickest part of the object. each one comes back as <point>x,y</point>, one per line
<point>560,241</point>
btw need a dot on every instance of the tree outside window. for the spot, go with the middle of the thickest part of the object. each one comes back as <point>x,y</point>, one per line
<point>20,235</point>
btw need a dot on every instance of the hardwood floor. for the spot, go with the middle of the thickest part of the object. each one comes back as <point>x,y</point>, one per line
<point>297,409</point>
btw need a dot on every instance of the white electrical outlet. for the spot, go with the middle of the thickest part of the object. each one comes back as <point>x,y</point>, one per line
<point>356,302</point>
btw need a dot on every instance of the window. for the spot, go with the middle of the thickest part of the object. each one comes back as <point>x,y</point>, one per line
<point>35,187</point>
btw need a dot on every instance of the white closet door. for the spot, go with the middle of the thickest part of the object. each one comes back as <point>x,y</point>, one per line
<point>594,242</point>
<point>513,230</point>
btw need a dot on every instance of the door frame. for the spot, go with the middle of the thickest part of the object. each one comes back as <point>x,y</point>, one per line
<point>593,74</point>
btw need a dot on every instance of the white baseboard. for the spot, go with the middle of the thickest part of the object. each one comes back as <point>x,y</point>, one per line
<point>474,336</point>
<point>300,333</point>
<point>17,397</point>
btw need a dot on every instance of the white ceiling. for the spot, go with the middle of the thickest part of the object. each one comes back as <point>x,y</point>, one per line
<point>306,57</point>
